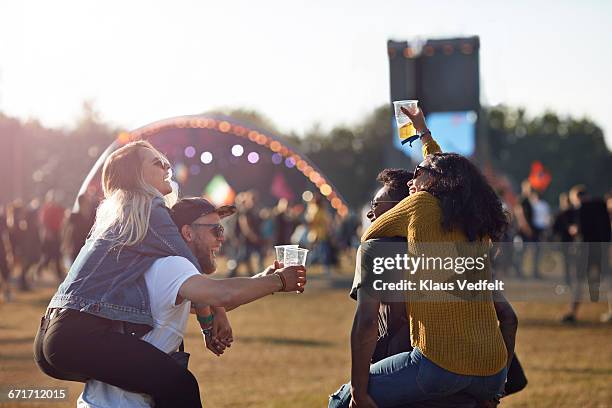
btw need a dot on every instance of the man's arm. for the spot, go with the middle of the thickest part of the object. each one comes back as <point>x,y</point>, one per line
<point>508,323</point>
<point>363,342</point>
<point>233,292</point>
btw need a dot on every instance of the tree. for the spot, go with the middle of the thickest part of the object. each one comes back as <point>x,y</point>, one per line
<point>572,150</point>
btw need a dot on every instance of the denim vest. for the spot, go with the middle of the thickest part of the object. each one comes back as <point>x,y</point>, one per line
<point>108,280</point>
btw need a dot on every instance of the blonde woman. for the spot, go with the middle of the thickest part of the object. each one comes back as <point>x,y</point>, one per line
<point>93,323</point>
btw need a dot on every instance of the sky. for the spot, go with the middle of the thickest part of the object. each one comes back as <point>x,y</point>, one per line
<point>298,62</point>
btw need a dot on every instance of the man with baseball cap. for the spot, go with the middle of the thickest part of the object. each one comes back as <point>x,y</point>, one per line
<point>173,280</point>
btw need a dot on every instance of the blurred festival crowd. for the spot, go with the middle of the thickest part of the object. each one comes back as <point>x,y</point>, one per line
<point>42,235</point>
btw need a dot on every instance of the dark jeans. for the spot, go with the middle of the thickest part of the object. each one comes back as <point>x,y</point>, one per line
<point>77,346</point>
<point>411,378</point>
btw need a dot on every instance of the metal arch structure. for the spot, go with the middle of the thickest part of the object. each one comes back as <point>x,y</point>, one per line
<point>225,125</point>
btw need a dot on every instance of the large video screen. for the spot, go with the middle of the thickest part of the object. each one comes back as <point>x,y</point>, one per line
<point>454,131</point>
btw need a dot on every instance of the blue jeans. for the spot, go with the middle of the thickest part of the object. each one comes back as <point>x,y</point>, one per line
<point>410,377</point>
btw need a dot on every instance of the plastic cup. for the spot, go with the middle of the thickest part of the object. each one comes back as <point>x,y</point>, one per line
<point>280,252</point>
<point>295,256</point>
<point>404,124</point>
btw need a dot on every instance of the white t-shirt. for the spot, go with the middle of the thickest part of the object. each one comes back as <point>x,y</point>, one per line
<point>164,280</point>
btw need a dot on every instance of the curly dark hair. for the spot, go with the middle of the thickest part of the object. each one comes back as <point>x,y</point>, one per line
<point>468,201</point>
<point>396,180</point>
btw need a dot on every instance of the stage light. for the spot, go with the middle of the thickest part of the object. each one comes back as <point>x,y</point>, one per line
<point>206,157</point>
<point>190,151</point>
<point>467,49</point>
<point>124,137</point>
<point>326,189</point>
<point>275,146</point>
<point>239,130</point>
<point>237,150</point>
<point>261,139</point>
<point>277,158</point>
<point>224,127</point>
<point>253,157</point>
<point>307,196</point>
<point>314,177</point>
<point>289,162</point>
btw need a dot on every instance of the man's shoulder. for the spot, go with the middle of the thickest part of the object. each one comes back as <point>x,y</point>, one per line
<point>173,262</point>
<point>375,243</point>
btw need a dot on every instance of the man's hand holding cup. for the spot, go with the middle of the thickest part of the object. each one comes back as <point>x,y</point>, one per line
<point>292,278</point>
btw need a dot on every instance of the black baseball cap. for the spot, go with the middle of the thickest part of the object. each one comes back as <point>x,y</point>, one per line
<point>187,210</point>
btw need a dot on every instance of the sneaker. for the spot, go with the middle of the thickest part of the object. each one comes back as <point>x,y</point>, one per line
<point>606,317</point>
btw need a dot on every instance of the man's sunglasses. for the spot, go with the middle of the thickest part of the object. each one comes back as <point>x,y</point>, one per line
<point>216,229</point>
<point>374,204</point>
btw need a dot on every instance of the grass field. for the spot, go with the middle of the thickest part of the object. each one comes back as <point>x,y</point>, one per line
<point>293,351</point>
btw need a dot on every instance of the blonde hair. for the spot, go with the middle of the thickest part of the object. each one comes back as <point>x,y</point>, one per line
<point>128,197</point>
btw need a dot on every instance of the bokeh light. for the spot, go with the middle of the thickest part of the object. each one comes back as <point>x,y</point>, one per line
<point>206,157</point>
<point>277,158</point>
<point>290,162</point>
<point>190,151</point>
<point>253,157</point>
<point>307,196</point>
<point>326,189</point>
<point>237,150</point>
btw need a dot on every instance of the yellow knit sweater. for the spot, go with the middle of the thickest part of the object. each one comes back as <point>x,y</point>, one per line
<point>460,336</point>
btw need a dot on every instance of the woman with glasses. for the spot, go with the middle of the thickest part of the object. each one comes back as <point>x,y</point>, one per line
<point>457,345</point>
<point>93,322</point>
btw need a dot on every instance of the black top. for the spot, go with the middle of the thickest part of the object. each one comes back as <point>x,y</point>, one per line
<point>594,221</point>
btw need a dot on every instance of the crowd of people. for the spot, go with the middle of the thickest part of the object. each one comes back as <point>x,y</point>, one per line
<point>140,259</point>
<point>35,237</point>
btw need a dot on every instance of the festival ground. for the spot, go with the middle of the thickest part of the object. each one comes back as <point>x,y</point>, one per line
<point>294,351</point>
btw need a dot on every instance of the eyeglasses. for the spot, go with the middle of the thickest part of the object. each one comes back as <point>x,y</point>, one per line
<point>216,229</point>
<point>374,204</point>
<point>161,163</point>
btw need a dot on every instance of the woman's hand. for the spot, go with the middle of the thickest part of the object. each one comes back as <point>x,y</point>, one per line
<point>417,118</point>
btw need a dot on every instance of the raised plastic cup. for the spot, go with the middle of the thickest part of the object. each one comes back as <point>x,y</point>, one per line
<point>280,252</point>
<point>404,124</point>
<point>295,256</point>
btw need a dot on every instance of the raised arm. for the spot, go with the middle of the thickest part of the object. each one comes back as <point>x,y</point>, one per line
<point>418,120</point>
<point>232,292</point>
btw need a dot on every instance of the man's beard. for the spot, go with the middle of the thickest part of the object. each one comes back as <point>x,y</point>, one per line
<point>206,261</point>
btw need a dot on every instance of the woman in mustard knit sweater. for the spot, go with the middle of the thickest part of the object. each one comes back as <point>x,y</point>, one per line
<point>458,346</point>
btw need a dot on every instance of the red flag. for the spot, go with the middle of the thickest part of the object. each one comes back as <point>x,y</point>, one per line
<point>539,177</point>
